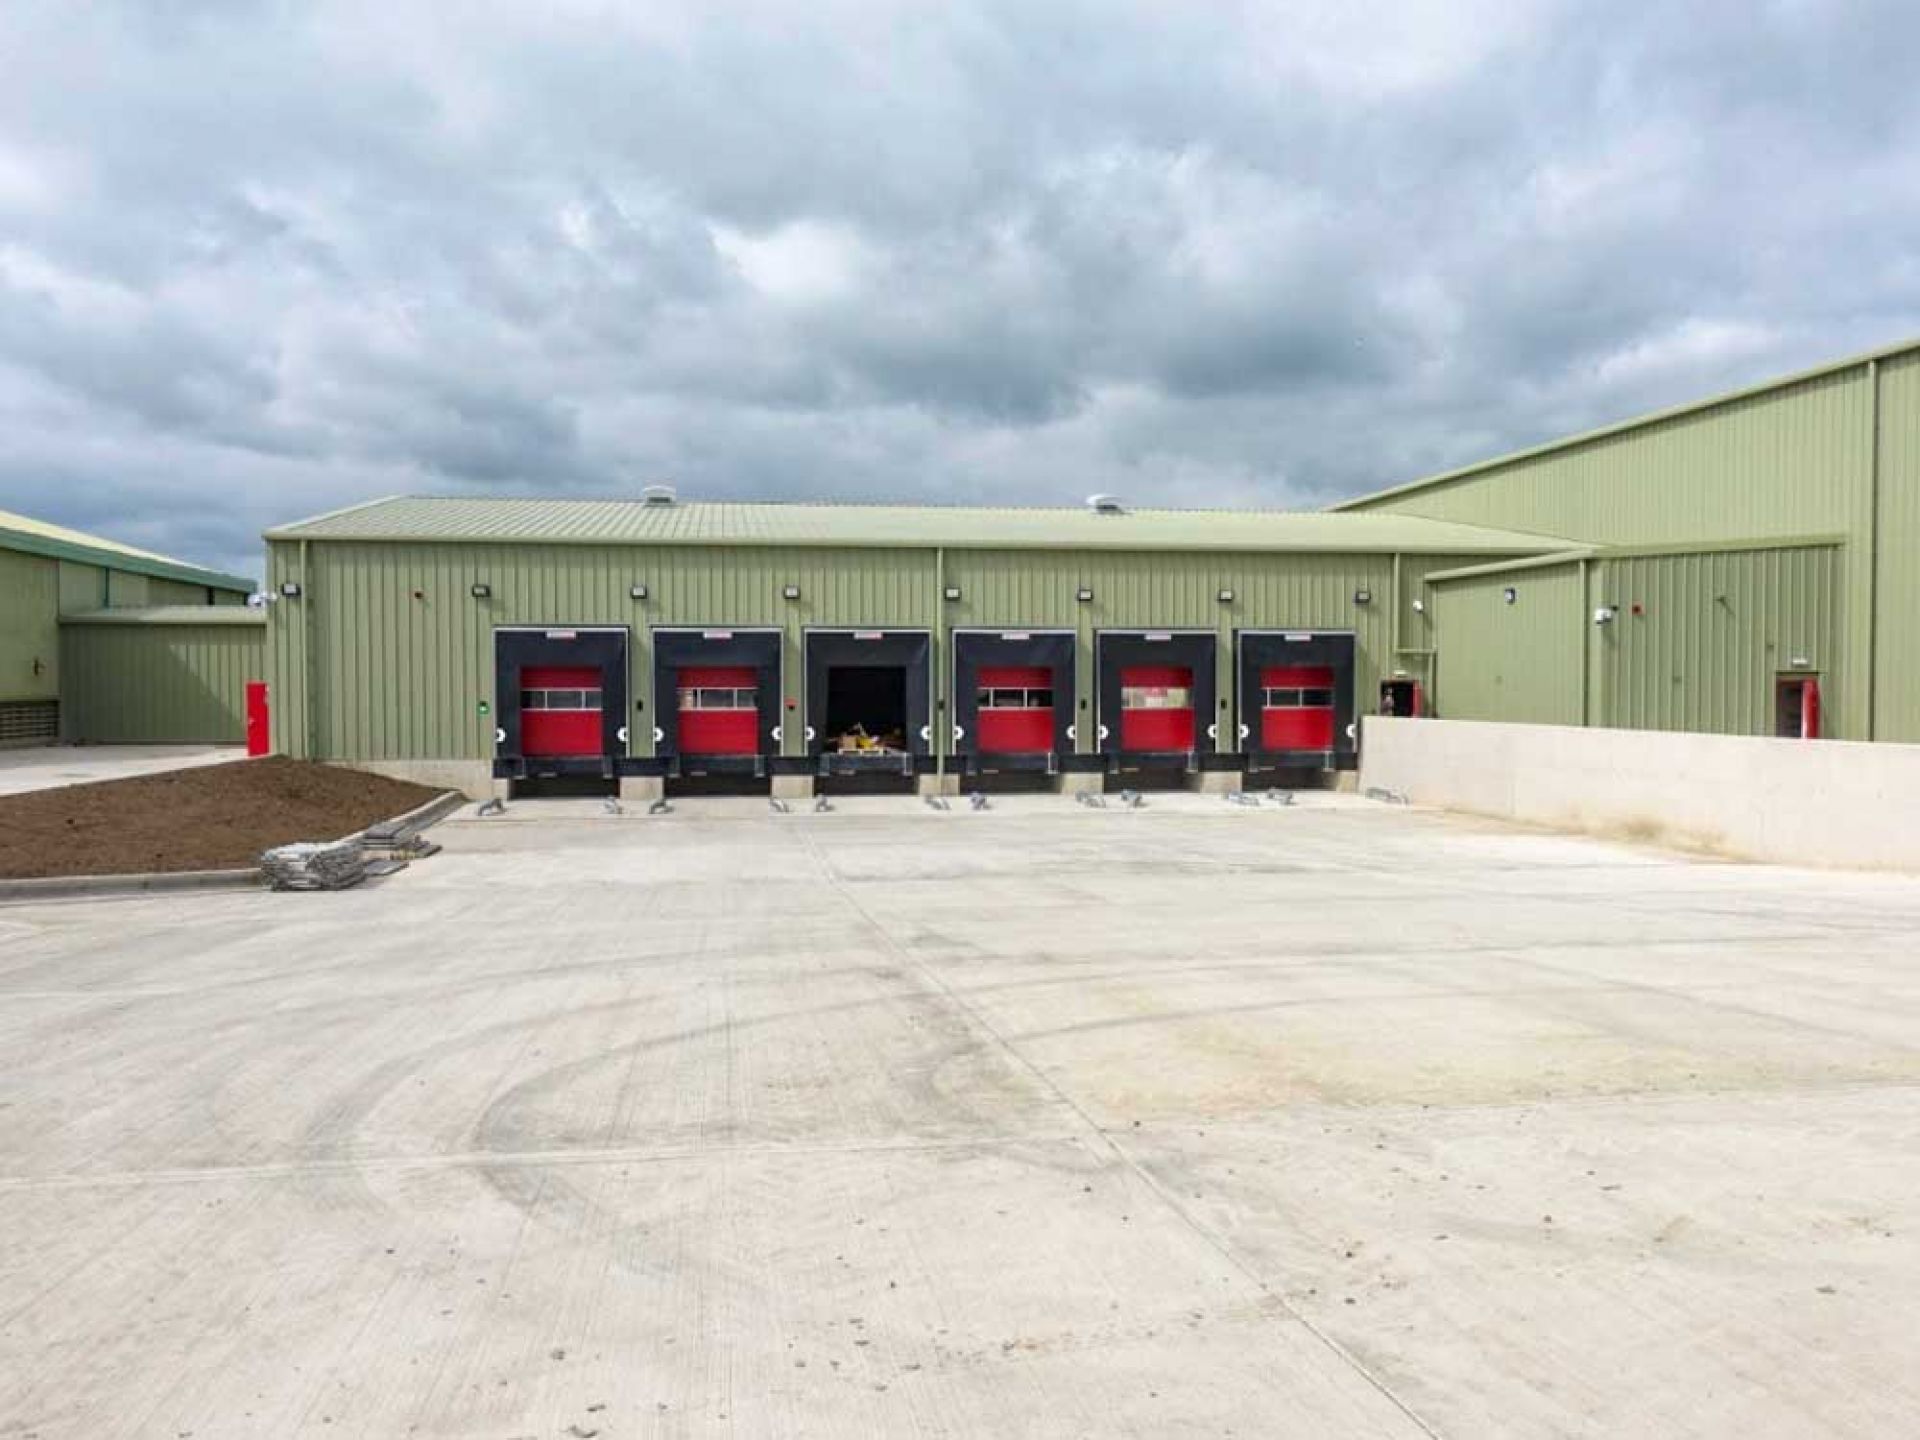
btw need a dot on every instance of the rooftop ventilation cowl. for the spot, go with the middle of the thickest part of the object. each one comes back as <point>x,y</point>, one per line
<point>1106,505</point>
<point>659,494</point>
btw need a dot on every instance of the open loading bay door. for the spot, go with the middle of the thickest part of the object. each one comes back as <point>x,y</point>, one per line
<point>1796,706</point>
<point>1156,696</point>
<point>1296,698</point>
<point>560,701</point>
<point>869,700</point>
<point>717,698</point>
<point>1012,698</point>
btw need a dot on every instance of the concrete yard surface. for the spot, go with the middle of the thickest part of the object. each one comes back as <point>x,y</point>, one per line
<point>44,767</point>
<point>1338,1120</point>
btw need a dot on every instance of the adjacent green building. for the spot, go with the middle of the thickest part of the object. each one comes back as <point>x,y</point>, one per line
<point>1722,563</point>
<point>65,596</point>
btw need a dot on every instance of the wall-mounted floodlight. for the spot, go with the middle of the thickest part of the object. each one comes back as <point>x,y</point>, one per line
<point>1419,607</point>
<point>1509,594</point>
<point>290,589</point>
<point>1084,594</point>
<point>791,592</point>
<point>1604,615</point>
<point>953,592</point>
<point>636,592</point>
<point>1363,597</point>
<point>481,590</point>
<point>1226,596</point>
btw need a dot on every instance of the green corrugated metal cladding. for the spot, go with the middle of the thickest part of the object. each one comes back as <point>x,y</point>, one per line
<point>150,683</point>
<point>388,656</point>
<point>1693,639</point>
<point>1697,639</point>
<point>1831,454</point>
<point>29,629</point>
<point>1511,645</point>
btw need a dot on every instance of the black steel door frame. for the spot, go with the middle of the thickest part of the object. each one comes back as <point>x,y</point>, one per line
<point>677,645</point>
<point>827,646</point>
<point>1255,649</point>
<point>1115,650</point>
<point>977,646</point>
<point>515,647</point>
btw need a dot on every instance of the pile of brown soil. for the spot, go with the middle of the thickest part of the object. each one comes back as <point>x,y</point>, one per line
<point>212,817</point>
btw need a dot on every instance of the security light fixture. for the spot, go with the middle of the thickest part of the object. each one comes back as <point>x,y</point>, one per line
<point>636,592</point>
<point>1604,615</point>
<point>791,592</point>
<point>1419,607</point>
<point>953,592</point>
<point>1363,597</point>
<point>290,589</point>
<point>1226,596</point>
<point>480,590</point>
<point>1084,594</point>
<point>1509,594</point>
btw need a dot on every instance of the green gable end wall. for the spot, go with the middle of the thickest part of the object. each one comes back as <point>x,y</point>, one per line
<point>1804,459</point>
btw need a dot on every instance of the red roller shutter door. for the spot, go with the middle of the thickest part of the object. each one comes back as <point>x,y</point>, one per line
<point>560,710</point>
<point>1156,707</point>
<point>718,710</point>
<point>1016,709</point>
<point>1296,707</point>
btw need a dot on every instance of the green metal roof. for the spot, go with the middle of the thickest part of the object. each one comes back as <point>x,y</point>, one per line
<point>638,522</point>
<point>238,615</point>
<point>1621,427</point>
<point>37,537</point>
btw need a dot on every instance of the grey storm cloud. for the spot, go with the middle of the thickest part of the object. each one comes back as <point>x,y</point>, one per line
<point>260,260</point>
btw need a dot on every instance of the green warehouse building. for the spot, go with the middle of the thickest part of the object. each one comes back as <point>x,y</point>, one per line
<point>1742,565</point>
<point>651,640</point>
<point>100,642</point>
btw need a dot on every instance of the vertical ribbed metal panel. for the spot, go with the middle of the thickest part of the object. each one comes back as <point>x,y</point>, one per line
<point>1713,631</point>
<point>1790,462</point>
<point>174,592</point>
<point>157,684</point>
<point>1897,675</point>
<point>82,587</point>
<point>288,694</point>
<point>1417,626</point>
<point>1522,662</point>
<point>29,627</point>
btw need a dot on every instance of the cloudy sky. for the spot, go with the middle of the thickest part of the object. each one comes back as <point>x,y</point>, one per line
<point>261,260</point>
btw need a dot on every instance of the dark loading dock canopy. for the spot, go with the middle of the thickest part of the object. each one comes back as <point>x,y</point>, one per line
<point>977,652</point>
<point>518,649</point>
<point>1329,650</point>
<point>906,651</point>
<point>677,649</point>
<point>1118,651</point>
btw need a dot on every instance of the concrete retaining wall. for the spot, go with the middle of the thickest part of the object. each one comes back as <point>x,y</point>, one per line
<point>1820,802</point>
<point>472,778</point>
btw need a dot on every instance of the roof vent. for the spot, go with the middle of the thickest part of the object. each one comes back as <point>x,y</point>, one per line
<point>659,494</point>
<point>1106,505</point>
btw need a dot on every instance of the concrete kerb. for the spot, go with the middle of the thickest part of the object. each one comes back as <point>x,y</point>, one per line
<point>98,887</point>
